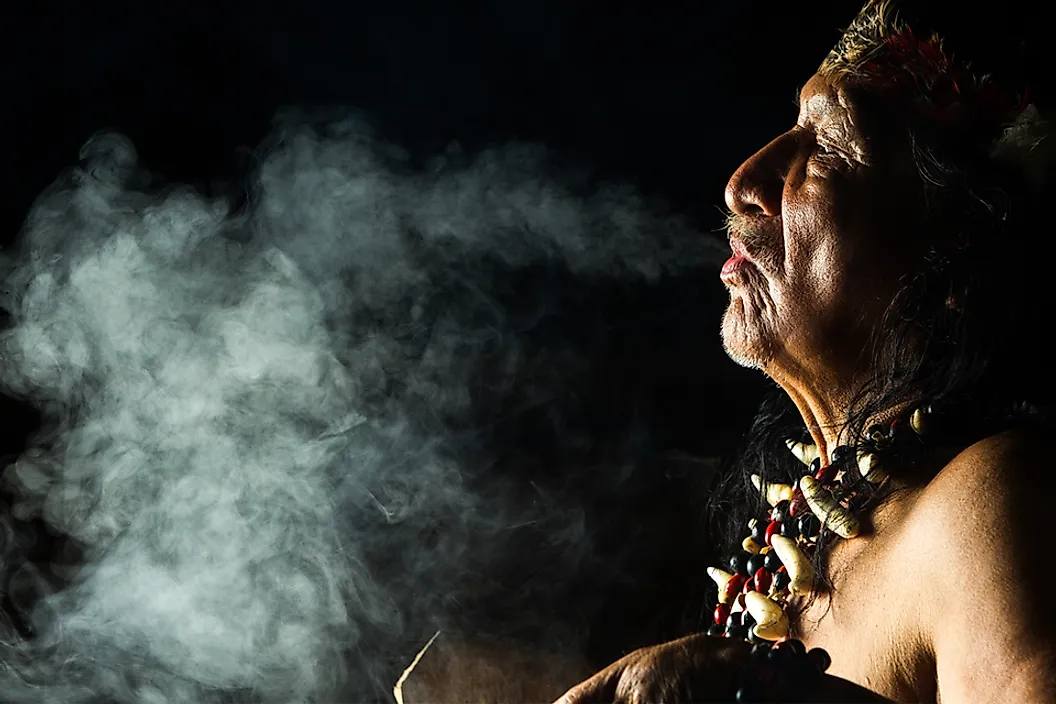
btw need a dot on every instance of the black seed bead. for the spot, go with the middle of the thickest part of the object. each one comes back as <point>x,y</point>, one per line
<point>734,620</point>
<point>780,655</point>
<point>755,562</point>
<point>820,658</point>
<point>781,580</point>
<point>747,620</point>
<point>796,646</point>
<point>809,525</point>
<point>790,529</point>
<point>780,511</point>
<point>739,563</point>
<point>748,693</point>
<point>759,532</point>
<point>841,454</point>
<point>815,466</point>
<point>757,640</point>
<point>771,561</point>
<point>760,650</point>
<point>716,630</point>
<point>737,633</point>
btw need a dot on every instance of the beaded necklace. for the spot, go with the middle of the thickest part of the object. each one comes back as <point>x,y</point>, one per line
<point>774,563</point>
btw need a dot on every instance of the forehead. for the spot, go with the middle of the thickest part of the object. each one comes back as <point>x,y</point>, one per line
<point>833,111</point>
<point>820,98</point>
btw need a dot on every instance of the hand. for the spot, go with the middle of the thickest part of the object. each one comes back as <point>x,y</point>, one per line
<point>697,668</point>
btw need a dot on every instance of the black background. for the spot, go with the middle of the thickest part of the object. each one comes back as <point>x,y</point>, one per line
<point>668,96</point>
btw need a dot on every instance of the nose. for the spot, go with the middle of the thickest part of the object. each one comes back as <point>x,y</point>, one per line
<point>756,186</point>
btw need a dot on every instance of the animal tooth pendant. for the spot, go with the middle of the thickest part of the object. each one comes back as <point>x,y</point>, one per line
<point>804,452</point>
<point>775,493</point>
<point>825,507</point>
<point>771,620</point>
<point>727,583</point>
<point>720,577</point>
<point>868,467</point>
<point>800,571</point>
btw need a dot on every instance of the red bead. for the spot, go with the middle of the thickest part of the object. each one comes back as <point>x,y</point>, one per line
<point>732,587</point>
<point>722,612</point>
<point>749,586</point>
<point>762,580</point>
<point>826,474</point>
<point>771,529</point>
<point>798,504</point>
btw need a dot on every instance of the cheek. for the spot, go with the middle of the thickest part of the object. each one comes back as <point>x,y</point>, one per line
<point>816,256</point>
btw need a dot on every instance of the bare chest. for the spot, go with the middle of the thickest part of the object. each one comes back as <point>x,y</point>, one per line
<point>872,622</point>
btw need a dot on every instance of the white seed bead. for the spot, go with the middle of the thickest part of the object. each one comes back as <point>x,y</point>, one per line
<point>869,467</point>
<point>918,422</point>
<point>751,546</point>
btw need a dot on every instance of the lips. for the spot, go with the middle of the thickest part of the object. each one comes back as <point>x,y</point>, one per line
<point>738,249</point>
<point>740,259</point>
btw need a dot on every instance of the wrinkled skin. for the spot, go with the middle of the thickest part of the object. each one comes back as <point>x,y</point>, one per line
<point>695,668</point>
<point>825,216</point>
<point>932,602</point>
<point>825,254</point>
<point>692,669</point>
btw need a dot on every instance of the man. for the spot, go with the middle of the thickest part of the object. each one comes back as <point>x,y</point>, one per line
<point>891,255</point>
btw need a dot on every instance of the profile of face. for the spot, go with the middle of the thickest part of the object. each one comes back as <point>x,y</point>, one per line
<point>825,224</point>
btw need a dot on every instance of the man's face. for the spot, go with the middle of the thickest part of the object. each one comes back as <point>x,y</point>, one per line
<point>821,237</point>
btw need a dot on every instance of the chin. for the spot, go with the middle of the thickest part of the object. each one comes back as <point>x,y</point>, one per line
<point>744,341</point>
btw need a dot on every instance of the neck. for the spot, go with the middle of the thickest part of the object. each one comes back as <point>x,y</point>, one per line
<point>823,398</point>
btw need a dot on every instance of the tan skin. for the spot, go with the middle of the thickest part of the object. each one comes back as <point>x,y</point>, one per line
<point>944,597</point>
<point>936,601</point>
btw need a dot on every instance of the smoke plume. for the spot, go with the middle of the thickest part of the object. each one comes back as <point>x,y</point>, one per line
<point>262,424</point>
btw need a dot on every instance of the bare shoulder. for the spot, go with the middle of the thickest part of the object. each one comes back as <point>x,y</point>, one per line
<point>991,500</point>
<point>1010,470</point>
<point>981,528</point>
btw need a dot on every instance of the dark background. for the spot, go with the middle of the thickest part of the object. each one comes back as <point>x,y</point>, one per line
<point>667,96</point>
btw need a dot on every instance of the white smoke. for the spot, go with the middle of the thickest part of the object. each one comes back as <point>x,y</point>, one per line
<point>259,420</point>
